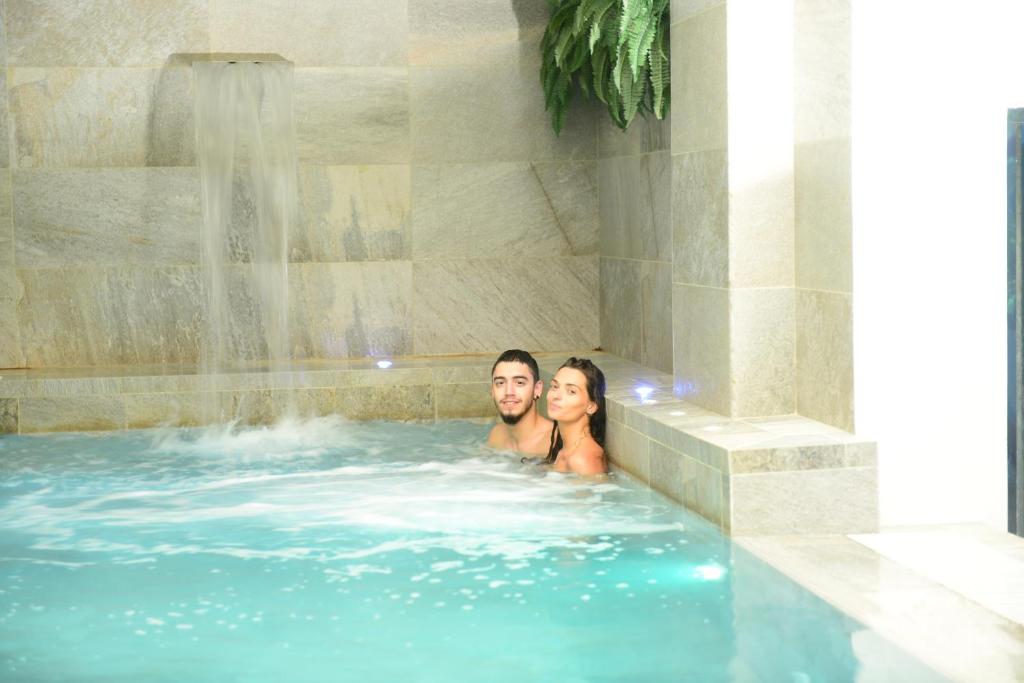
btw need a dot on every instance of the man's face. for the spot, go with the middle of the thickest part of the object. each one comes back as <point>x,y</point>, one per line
<point>514,390</point>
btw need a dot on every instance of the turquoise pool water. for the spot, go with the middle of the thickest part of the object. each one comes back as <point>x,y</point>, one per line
<point>324,551</point>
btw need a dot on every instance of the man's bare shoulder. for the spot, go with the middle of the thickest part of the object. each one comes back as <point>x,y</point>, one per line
<point>498,438</point>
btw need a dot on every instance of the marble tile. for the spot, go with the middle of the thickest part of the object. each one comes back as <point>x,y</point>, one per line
<point>644,135</point>
<point>822,61</point>
<point>508,209</point>
<point>11,292</point>
<point>699,101</point>
<point>621,312</point>
<point>73,414</point>
<point>109,316</point>
<point>103,32</point>
<point>377,377</point>
<point>700,218</point>
<point>350,33</point>
<point>352,115</point>
<point>702,490</point>
<point>7,259</point>
<point>824,216</point>
<point>840,501</point>
<point>113,217</point>
<point>463,400</point>
<point>656,308</point>
<point>635,205</point>
<point>466,374</point>
<point>824,357</point>
<point>667,471</point>
<point>628,450</point>
<point>351,309</point>
<point>403,403</point>
<point>160,384</point>
<point>780,458</point>
<point>143,411</point>
<point>488,305</point>
<point>701,341</point>
<point>763,350</point>
<point>492,113</point>
<point>5,122</point>
<point>353,213</point>
<point>761,220</point>
<point>476,32</point>
<point>8,416</point>
<point>122,117</point>
<point>684,9</point>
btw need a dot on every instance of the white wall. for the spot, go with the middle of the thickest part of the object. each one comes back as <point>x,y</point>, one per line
<point>931,86</point>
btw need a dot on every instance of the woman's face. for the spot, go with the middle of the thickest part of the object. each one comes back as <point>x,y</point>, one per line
<point>567,398</point>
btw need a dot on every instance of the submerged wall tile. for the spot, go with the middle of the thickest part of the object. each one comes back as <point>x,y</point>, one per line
<point>700,218</point>
<point>103,32</point>
<point>446,33</point>
<point>351,309</point>
<point>352,115</point>
<point>512,209</point>
<point>102,117</point>
<point>763,350</point>
<point>349,33</point>
<point>621,309</point>
<point>353,213</point>
<point>824,353</point>
<point>492,113</point>
<point>107,217</point>
<point>488,305</point>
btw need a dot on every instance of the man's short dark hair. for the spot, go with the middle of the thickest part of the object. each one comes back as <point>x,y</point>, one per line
<point>518,356</point>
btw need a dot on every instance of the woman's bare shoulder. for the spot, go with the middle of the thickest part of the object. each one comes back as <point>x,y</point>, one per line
<point>588,458</point>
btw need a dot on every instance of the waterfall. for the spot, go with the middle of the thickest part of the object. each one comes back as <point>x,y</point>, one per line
<point>245,138</point>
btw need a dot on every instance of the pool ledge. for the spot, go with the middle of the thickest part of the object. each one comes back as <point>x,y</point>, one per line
<point>753,476</point>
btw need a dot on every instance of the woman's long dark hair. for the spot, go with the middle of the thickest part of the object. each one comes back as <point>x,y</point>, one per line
<point>595,391</point>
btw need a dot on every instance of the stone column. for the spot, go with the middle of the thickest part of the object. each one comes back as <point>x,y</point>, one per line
<point>733,206</point>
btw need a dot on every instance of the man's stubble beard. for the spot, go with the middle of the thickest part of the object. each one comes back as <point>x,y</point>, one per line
<point>514,419</point>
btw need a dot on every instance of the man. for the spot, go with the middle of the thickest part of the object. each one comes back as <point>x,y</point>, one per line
<point>516,387</point>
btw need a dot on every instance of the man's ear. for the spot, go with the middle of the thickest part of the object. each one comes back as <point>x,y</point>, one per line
<point>538,389</point>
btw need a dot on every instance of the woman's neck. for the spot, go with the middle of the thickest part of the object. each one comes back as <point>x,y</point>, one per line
<point>572,433</point>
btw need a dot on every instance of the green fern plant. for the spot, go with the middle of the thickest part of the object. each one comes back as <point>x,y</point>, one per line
<point>616,49</point>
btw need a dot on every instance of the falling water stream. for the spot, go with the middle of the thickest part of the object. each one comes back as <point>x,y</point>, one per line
<point>245,138</point>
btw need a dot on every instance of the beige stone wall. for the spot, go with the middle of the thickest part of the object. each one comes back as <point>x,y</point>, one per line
<point>635,185</point>
<point>440,213</point>
<point>824,257</point>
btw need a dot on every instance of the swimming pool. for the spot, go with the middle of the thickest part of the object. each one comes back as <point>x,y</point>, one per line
<point>326,551</point>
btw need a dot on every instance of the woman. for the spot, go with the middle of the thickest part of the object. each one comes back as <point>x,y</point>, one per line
<point>576,404</point>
